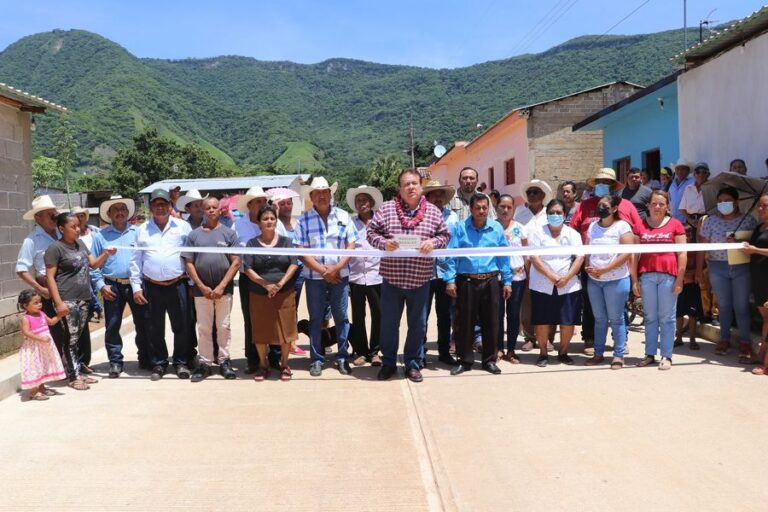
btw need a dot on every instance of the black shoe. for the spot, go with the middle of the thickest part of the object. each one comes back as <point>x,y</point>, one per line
<point>447,359</point>
<point>491,368</point>
<point>343,367</point>
<point>145,365</point>
<point>715,322</point>
<point>458,370</point>
<point>565,359</point>
<point>414,375</point>
<point>157,373</point>
<point>225,368</point>
<point>316,369</point>
<point>386,372</point>
<point>115,370</point>
<point>182,371</point>
<point>542,361</point>
<point>251,368</point>
<point>85,369</point>
<point>201,372</point>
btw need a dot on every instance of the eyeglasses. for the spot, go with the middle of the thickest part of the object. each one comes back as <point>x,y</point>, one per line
<point>533,192</point>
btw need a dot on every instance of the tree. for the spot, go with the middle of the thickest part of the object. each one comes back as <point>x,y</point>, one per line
<point>65,148</point>
<point>383,175</point>
<point>46,173</point>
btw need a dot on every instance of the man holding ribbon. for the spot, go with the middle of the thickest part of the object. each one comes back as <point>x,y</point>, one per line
<point>158,278</point>
<point>408,221</point>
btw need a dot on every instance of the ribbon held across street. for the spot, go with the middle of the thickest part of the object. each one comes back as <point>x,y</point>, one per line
<point>575,250</point>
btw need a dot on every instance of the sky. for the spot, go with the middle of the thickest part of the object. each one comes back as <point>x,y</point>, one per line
<point>428,33</point>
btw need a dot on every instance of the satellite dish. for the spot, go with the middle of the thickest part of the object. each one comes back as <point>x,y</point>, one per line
<point>439,150</point>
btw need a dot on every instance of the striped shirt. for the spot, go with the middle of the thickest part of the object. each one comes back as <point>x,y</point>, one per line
<point>407,273</point>
<point>313,233</point>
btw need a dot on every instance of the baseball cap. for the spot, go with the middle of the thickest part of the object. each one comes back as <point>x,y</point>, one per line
<point>160,193</point>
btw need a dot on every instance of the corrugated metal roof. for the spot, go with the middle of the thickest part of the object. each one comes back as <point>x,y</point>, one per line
<point>28,99</point>
<point>733,35</point>
<point>237,183</point>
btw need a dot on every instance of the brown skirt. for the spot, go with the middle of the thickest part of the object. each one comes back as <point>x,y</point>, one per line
<point>273,321</point>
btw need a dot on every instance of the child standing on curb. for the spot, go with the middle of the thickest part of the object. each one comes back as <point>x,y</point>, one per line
<point>40,361</point>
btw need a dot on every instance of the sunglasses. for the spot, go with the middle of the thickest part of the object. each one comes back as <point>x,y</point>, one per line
<point>533,192</point>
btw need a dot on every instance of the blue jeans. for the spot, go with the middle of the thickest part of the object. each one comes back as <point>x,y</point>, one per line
<point>731,284</point>
<point>320,295</point>
<point>445,312</point>
<point>393,299</point>
<point>660,308</point>
<point>113,315</point>
<point>512,306</point>
<point>608,299</point>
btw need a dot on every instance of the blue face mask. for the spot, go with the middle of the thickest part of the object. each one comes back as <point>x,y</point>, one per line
<point>601,189</point>
<point>726,207</point>
<point>555,220</point>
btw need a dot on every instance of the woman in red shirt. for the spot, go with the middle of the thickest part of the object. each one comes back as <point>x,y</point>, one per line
<point>658,278</point>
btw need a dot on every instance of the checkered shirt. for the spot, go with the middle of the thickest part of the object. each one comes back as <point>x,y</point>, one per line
<point>311,232</point>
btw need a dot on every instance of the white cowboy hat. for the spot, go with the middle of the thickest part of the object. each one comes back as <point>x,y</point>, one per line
<point>606,173</point>
<point>192,195</point>
<point>431,185</point>
<point>318,183</point>
<point>104,207</point>
<point>352,193</point>
<point>540,184</point>
<point>38,205</point>
<point>683,162</point>
<point>253,193</point>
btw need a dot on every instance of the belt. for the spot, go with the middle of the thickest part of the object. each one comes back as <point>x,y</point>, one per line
<point>169,282</point>
<point>487,275</point>
<point>118,280</point>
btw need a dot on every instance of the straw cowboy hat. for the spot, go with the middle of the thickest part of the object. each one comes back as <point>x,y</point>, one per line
<point>38,205</point>
<point>318,183</point>
<point>683,162</point>
<point>79,209</point>
<point>253,193</point>
<point>192,195</point>
<point>278,194</point>
<point>104,207</point>
<point>431,185</point>
<point>606,173</point>
<point>541,184</point>
<point>352,193</point>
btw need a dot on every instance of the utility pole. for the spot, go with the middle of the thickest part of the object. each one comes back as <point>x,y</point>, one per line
<point>413,156</point>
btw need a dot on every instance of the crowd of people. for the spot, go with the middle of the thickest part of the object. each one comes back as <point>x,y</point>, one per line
<point>482,303</point>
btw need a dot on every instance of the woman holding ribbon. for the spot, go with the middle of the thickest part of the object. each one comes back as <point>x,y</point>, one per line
<point>757,248</point>
<point>515,234</point>
<point>608,282</point>
<point>554,283</point>
<point>658,278</point>
<point>272,296</point>
<point>730,282</point>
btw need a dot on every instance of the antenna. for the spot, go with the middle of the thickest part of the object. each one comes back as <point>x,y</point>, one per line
<point>706,21</point>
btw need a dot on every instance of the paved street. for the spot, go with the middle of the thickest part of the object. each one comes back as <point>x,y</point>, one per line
<point>560,438</point>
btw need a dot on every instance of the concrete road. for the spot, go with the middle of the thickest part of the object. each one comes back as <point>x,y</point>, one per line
<point>559,438</point>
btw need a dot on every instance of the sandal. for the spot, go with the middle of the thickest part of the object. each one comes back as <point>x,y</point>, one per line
<point>89,380</point>
<point>760,370</point>
<point>78,385</point>
<point>694,345</point>
<point>528,346</point>
<point>594,361</point>
<point>38,397</point>
<point>50,392</point>
<point>722,347</point>
<point>666,364</point>
<point>261,374</point>
<point>511,357</point>
<point>745,352</point>
<point>647,360</point>
<point>617,363</point>
<point>285,374</point>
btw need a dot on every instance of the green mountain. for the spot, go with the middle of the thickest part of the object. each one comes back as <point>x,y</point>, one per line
<point>339,113</point>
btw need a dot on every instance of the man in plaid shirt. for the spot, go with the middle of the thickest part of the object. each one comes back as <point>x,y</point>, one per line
<point>326,277</point>
<point>406,280</point>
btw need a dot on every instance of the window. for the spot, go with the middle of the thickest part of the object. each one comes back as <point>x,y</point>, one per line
<point>621,166</point>
<point>652,163</point>
<point>509,172</point>
<point>491,179</point>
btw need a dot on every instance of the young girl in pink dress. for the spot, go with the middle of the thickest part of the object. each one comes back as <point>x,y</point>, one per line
<point>40,361</point>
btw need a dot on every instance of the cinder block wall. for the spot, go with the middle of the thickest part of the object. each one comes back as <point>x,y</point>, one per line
<point>15,199</point>
<point>556,153</point>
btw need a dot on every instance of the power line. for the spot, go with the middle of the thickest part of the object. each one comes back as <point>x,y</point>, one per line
<point>622,20</point>
<point>545,23</point>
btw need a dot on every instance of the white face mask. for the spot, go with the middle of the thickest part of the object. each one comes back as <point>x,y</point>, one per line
<point>725,207</point>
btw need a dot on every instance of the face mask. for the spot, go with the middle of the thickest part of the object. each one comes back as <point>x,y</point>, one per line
<point>603,211</point>
<point>726,207</point>
<point>601,189</point>
<point>555,220</point>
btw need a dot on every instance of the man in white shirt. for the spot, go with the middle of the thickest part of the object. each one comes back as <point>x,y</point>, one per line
<point>158,278</point>
<point>692,202</point>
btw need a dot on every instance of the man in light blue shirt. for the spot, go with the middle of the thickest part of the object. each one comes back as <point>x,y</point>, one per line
<point>326,277</point>
<point>158,278</point>
<point>115,286</point>
<point>677,187</point>
<point>474,281</point>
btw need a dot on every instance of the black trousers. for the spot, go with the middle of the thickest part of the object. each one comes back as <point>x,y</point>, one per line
<point>173,300</point>
<point>358,334</point>
<point>477,302</point>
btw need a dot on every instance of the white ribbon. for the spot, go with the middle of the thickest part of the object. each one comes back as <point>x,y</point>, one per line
<point>577,250</point>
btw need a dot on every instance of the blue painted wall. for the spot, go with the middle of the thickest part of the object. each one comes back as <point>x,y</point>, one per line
<point>642,126</point>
